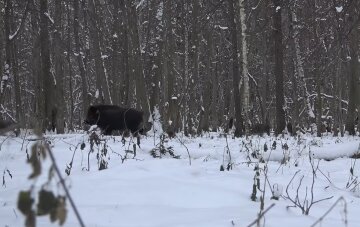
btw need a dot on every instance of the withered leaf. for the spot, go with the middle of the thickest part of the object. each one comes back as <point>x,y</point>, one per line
<point>47,202</point>
<point>25,202</point>
<point>61,211</point>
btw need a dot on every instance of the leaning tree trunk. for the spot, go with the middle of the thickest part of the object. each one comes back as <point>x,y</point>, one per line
<point>279,67</point>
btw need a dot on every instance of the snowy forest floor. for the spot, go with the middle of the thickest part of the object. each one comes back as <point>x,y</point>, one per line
<point>147,191</point>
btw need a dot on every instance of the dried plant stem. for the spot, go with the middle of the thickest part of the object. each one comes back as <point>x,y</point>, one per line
<point>261,215</point>
<point>330,209</point>
<point>187,150</point>
<point>62,182</point>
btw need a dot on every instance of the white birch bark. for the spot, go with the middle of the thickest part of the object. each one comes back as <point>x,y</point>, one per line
<point>299,62</point>
<point>244,52</point>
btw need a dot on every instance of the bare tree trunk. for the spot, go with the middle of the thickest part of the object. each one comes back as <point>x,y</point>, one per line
<point>8,68</point>
<point>48,80</point>
<point>279,67</point>
<point>316,72</point>
<point>35,70</point>
<point>125,83</point>
<point>1,49</point>
<point>136,66</point>
<point>299,69</point>
<point>116,70</point>
<point>59,71</point>
<point>207,84</point>
<point>235,70</point>
<point>102,86</point>
<point>79,57</point>
<point>354,84</point>
<point>169,73</point>
<point>194,47</point>
<point>244,53</point>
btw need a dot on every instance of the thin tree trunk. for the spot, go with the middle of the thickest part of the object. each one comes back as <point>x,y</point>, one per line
<point>102,87</point>
<point>1,48</point>
<point>70,72</point>
<point>47,99</point>
<point>35,62</point>
<point>7,66</point>
<point>235,70</point>
<point>353,82</point>
<point>136,66</point>
<point>169,74</point>
<point>59,71</point>
<point>79,57</point>
<point>299,70</point>
<point>126,83</point>
<point>279,67</point>
<point>244,53</point>
<point>116,71</point>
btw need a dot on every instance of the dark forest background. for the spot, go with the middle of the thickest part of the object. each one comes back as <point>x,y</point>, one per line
<point>197,63</point>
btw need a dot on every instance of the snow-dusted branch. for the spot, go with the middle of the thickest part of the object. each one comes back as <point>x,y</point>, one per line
<point>22,22</point>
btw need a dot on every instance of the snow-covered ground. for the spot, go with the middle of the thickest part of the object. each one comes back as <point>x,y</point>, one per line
<point>147,191</point>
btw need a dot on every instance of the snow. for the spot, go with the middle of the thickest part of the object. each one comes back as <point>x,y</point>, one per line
<point>169,192</point>
<point>140,3</point>
<point>11,37</point>
<point>159,13</point>
<point>339,9</point>
<point>221,27</point>
<point>49,17</point>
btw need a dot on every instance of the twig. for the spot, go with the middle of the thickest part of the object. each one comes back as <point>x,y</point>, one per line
<point>62,182</point>
<point>330,209</point>
<point>187,150</point>
<point>261,215</point>
<point>22,145</point>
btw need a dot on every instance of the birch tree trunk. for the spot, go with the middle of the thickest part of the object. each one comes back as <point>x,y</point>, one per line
<point>244,53</point>
<point>7,66</point>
